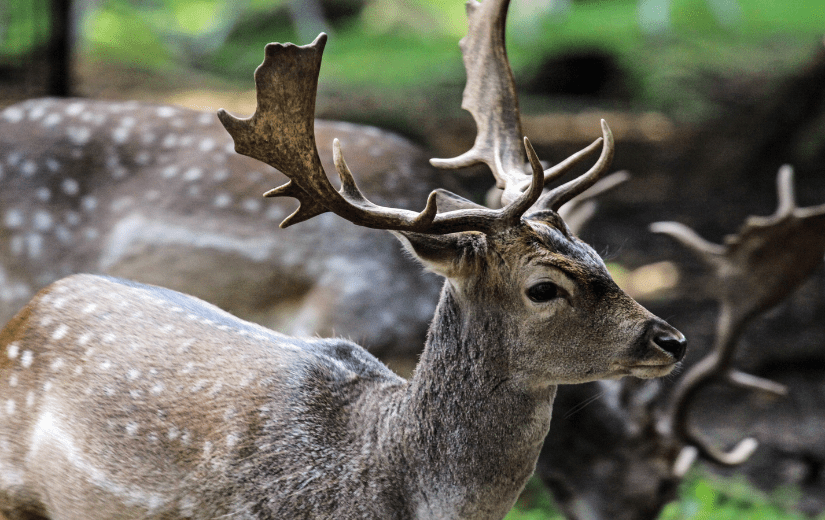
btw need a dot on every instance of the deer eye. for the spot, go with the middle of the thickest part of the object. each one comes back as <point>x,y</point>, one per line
<point>543,292</point>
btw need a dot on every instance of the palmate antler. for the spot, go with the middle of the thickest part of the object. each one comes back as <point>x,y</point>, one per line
<point>490,96</point>
<point>280,133</point>
<point>754,271</point>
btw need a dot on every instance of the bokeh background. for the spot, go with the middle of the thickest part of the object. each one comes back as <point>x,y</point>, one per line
<point>707,98</point>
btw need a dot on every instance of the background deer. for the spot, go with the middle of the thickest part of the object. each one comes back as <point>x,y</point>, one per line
<point>157,194</point>
<point>639,434</point>
<point>318,428</point>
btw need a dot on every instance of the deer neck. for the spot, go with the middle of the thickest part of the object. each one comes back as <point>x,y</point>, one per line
<point>471,423</point>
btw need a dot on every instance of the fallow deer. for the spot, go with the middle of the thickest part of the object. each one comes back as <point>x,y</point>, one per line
<point>132,401</point>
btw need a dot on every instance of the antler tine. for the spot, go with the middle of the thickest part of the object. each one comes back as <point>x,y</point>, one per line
<point>281,134</point>
<point>715,367</point>
<point>555,198</point>
<point>705,250</point>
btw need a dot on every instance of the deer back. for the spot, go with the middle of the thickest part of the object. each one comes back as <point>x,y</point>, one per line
<point>201,401</point>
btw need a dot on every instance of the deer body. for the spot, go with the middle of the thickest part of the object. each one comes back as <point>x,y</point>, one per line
<point>203,414</point>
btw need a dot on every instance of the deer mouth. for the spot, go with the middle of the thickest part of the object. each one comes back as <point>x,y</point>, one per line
<point>651,370</point>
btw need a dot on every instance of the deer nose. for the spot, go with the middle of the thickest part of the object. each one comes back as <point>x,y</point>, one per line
<point>669,339</point>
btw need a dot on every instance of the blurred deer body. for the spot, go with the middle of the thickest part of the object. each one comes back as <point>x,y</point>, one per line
<point>157,194</point>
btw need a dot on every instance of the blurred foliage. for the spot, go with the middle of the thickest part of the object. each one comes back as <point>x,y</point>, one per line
<point>411,44</point>
<point>535,503</point>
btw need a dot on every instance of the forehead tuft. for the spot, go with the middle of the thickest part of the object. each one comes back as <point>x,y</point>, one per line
<point>551,231</point>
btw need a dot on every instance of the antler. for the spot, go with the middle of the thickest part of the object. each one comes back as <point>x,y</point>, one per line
<point>490,96</point>
<point>281,134</point>
<point>754,271</point>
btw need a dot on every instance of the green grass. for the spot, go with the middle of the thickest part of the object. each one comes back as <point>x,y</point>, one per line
<point>701,497</point>
<point>535,503</point>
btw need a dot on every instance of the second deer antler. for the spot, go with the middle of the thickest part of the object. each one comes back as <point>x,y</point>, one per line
<point>754,271</point>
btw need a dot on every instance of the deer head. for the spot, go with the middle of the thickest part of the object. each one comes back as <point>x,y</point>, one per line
<point>540,264</point>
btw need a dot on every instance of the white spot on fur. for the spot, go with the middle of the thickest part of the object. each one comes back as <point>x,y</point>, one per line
<point>13,114</point>
<point>70,187</point>
<point>89,203</point>
<point>60,332</point>
<point>27,359</point>
<point>169,141</point>
<point>10,406</point>
<point>74,109</point>
<point>47,386</point>
<point>193,174</point>
<point>132,428</point>
<point>166,111</point>
<point>13,380</point>
<point>133,374</point>
<point>14,158</point>
<point>52,120</point>
<point>14,219</point>
<point>251,205</point>
<point>34,245</point>
<point>42,220</point>
<point>79,135</point>
<point>157,389</point>
<point>52,165</point>
<point>106,365</point>
<point>29,398</point>
<point>43,194</point>
<point>120,135</point>
<point>206,145</point>
<point>90,308</point>
<point>37,112</point>
<point>28,168</point>
<point>222,200</point>
<point>57,364</point>
<point>169,171</point>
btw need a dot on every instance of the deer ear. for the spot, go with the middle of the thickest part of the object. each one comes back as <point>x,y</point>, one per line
<point>447,255</point>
